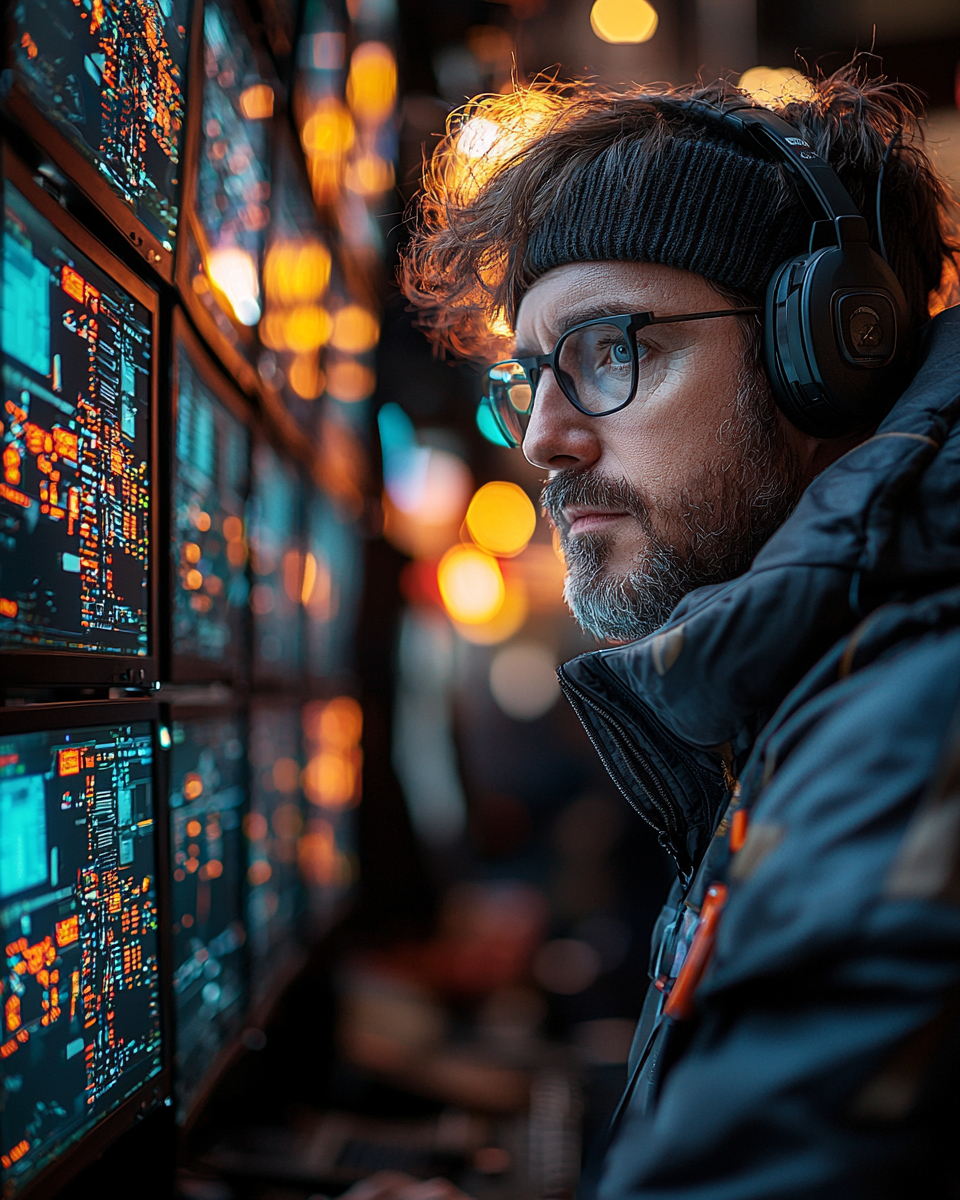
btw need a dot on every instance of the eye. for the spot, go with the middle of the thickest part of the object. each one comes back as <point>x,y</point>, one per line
<point>620,353</point>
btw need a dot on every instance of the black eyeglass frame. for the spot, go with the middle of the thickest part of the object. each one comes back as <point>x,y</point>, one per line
<point>630,324</point>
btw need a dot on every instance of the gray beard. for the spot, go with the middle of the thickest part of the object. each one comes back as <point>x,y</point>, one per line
<point>707,533</point>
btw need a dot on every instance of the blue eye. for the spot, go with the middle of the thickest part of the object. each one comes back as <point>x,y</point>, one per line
<point>621,353</point>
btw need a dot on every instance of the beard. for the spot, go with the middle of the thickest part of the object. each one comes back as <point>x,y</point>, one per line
<point>707,532</point>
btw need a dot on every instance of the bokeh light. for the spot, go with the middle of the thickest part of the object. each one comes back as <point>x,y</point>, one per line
<point>355,329</point>
<point>775,86</point>
<point>349,381</point>
<point>471,585</point>
<point>501,518</point>
<point>234,272</point>
<point>523,680</point>
<point>256,102</point>
<point>296,271</point>
<point>624,21</point>
<point>372,83</point>
<point>506,622</point>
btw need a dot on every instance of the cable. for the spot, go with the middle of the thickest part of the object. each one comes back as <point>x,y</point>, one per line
<point>883,166</point>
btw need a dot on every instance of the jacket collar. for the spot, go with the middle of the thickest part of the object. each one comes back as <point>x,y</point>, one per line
<point>668,712</point>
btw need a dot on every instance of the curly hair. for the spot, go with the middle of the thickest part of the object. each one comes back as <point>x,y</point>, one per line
<point>507,161</point>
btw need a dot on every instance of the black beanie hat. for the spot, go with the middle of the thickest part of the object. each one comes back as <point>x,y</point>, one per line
<point>703,205</point>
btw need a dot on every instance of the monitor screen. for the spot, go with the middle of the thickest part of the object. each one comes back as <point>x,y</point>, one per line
<point>207,793</point>
<point>233,175</point>
<point>274,530</point>
<point>209,547</point>
<point>78,918</point>
<point>75,433</point>
<point>273,826</point>
<point>110,76</point>
<point>331,584</point>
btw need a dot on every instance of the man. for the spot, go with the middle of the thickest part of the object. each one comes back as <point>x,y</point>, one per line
<point>785,709</point>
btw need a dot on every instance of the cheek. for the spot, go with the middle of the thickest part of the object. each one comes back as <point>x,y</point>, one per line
<point>662,441</point>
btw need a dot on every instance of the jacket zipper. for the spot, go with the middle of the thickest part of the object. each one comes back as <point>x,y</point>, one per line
<point>649,781</point>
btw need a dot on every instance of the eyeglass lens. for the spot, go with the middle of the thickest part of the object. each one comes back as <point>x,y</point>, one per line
<point>595,368</point>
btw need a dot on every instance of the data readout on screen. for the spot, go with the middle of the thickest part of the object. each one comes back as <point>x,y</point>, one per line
<point>74,440</point>
<point>78,922</point>
<point>209,545</point>
<point>207,790</point>
<point>110,76</point>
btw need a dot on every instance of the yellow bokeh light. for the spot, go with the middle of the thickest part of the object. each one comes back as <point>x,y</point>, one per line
<point>306,327</point>
<point>256,102</point>
<point>305,377</point>
<point>501,518</point>
<point>349,381</point>
<point>776,86</point>
<point>508,621</point>
<point>471,585</point>
<point>355,330</point>
<point>296,271</point>
<point>372,83</point>
<point>328,132</point>
<point>369,175</point>
<point>622,21</point>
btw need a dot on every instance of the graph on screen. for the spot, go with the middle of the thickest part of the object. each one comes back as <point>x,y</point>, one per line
<point>78,918</point>
<point>110,76</point>
<point>207,791</point>
<point>275,598</point>
<point>273,827</point>
<point>74,432</point>
<point>209,542</point>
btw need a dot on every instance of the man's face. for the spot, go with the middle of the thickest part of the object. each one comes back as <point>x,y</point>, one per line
<point>681,487</point>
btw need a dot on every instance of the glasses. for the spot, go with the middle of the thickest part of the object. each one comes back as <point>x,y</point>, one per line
<point>596,364</point>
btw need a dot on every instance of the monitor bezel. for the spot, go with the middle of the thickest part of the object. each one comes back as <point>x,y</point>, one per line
<point>85,176</point>
<point>243,370</point>
<point>190,708</point>
<point>182,668</point>
<point>156,1092</point>
<point>32,666</point>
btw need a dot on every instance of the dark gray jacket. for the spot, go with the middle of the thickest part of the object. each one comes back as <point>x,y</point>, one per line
<point>820,1054</point>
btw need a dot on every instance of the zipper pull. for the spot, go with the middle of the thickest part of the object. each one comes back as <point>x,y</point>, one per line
<point>679,1003</point>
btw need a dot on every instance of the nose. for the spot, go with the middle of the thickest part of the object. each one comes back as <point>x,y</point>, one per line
<point>559,437</point>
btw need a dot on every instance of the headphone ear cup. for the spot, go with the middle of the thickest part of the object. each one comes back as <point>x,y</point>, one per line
<point>835,339</point>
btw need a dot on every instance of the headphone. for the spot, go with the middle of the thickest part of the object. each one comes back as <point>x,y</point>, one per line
<point>835,328</point>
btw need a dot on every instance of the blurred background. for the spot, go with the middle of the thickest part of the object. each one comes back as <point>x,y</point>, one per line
<point>447,905</point>
<point>493,964</point>
<point>482,989</point>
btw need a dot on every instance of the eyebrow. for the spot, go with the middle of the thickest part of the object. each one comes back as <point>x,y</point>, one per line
<point>592,311</point>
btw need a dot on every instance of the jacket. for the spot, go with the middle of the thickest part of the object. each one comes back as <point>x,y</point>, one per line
<point>793,737</point>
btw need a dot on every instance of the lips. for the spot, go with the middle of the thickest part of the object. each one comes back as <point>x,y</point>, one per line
<point>582,519</point>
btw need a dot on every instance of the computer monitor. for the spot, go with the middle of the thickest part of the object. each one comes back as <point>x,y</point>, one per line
<point>221,253</point>
<point>332,576</point>
<point>210,470</point>
<point>76,451</point>
<point>208,790</point>
<point>273,827</point>
<point>102,87</point>
<point>295,323</point>
<point>81,1051</point>
<point>276,560</point>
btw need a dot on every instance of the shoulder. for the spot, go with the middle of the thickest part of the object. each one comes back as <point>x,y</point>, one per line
<point>836,784</point>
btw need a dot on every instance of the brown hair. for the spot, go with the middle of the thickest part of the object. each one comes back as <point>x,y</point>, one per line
<point>506,160</point>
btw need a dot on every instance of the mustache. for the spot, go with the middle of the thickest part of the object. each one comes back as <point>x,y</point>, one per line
<point>585,488</point>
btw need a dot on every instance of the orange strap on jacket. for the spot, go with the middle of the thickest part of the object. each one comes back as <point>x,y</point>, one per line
<point>679,1004</point>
